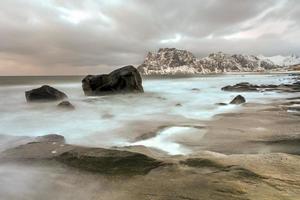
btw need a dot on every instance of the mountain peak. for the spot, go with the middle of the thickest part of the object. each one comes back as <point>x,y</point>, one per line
<point>174,61</point>
<point>168,61</point>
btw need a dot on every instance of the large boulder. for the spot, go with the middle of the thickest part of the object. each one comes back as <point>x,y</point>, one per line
<point>45,93</point>
<point>108,161</point>
<point>239,99</point>
<point>124,80</point>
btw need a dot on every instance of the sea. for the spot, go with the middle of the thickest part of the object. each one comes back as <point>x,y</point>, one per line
<point>116,120</point>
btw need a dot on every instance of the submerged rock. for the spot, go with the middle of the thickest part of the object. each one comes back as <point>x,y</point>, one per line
<point>221,104</point>
<point>51,138</point>
<point>241,87</point>
<point>196,89</point>
<point>124,80</point>
<point>247,87</point>
<point>66,105</point>
<point>238,100</point>
<point>44,93</point>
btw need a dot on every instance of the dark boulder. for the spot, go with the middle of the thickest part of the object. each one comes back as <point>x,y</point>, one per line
<point>108,161</point>
<point>124,80</point>
<point>247,87</point>
<point>66,105</point>
<point>241,87</point>
<point>44,93</point>
<point>239,99</point>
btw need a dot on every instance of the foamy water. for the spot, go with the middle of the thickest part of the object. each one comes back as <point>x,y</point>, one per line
<point>166,140</point>
<point>109,120</point>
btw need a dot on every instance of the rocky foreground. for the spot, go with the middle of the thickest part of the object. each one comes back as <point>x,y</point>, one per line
<point>251,154</point>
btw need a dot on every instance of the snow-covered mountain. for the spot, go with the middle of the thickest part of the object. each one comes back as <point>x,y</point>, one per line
<point>282,60</point>
<point>175,61</point>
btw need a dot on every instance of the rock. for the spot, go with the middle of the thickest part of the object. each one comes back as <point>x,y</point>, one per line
<point>238,100</point>
<point>107,161</point>
<point>50,138</point>
<point>44,93</point>
<point>123,80</point>
<point>294,108</point>
<point>178,104</point>
<point>221,104</point>
<point>66,105</point>
<point>40,149</point>
<point>247,87</point>
<point>196,89</point>
<point>241,87</point>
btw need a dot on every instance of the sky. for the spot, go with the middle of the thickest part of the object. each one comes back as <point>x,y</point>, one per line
<point>69,37</point>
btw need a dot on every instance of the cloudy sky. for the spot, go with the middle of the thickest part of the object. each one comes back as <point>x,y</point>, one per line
<point>78,37</point>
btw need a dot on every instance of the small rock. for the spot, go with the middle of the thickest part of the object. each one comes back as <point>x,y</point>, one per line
<point>221,104</point>
<point>66,105</point>
<point>44,93</point>
<point>51,138</point>
<point>238,100</point>
<point>178,105</point>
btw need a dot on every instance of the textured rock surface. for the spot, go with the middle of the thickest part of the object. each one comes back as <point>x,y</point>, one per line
<point>108,161</point>
<point>239,99</point>
<point>44,93</point>
<point>105,161</point>
<point>123,80</point>
<point>51,138</point>
<point>247,87</point>
<point>170,61</point>
<point>174,61</point>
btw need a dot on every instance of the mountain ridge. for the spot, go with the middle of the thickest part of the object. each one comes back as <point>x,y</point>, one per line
<point>175,61</point>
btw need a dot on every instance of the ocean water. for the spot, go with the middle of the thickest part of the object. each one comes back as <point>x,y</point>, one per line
<point>116,120</point>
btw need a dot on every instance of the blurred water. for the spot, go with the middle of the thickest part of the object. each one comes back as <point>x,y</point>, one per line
<point>105,116</point>
<point>166,140</point>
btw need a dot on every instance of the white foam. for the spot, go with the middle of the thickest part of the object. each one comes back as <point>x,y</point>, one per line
<point>165,142</point>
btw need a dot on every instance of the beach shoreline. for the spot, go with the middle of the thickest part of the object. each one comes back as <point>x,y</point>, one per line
<point>248,153</point>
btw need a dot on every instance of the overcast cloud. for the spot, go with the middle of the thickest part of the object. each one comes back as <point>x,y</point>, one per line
<point>80,37</point>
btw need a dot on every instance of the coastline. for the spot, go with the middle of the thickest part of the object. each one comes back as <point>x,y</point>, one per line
<point>174,76</point>
<point>205,174</point>
<point>252,153</point>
